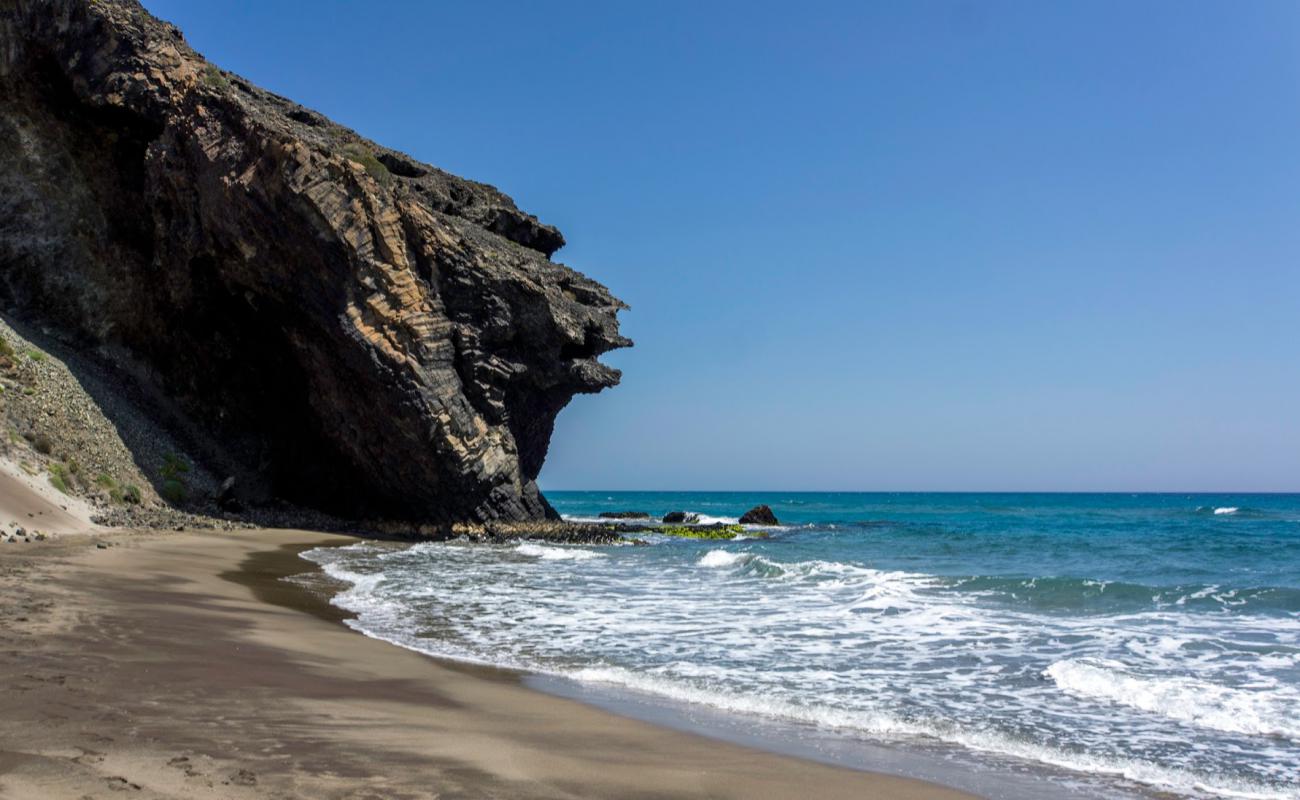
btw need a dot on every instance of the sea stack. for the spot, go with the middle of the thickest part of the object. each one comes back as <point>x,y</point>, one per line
<point>331,322</point>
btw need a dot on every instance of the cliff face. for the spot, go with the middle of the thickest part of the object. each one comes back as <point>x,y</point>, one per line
<point>354,330</point>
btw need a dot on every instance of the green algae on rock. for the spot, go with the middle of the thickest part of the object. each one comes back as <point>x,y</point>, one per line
<point>707,531</point>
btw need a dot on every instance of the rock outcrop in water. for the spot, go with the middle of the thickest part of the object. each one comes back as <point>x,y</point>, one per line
<point>759,515</point>
<point>331,321</point>
<point>680,518</point>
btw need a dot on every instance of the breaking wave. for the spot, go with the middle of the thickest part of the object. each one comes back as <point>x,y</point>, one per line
<point>1264,711</point>
<point>554,553</point>
<point>1190,687</point>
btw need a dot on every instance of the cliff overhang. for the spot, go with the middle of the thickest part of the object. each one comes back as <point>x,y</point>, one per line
<point>330,320</point>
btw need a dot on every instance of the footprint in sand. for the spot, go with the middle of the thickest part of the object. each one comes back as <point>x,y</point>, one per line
<point>183,763</point>
<point>119,784</point>
<point>242,778</point>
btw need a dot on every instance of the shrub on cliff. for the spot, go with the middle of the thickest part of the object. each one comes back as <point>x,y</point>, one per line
<point>367,159</point>
<point>174,469</point>
<point>214,78</point>
<point>59,477</point>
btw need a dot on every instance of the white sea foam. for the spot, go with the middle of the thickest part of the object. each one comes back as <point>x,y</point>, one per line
<point>1226,510</point>
<point>360,584</point>
<point>827,575</point>
<point>1269,712</point>
<point>769,705</point>
<point>880,723</point>
<point>551,553</point>
<point>843,646</point>
<point>720,558</point>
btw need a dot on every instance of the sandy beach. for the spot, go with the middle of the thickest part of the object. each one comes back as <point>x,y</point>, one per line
<point>687,400</point>
<point>177,665</point>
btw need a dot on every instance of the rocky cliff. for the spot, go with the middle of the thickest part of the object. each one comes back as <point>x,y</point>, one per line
<point>331,321</point>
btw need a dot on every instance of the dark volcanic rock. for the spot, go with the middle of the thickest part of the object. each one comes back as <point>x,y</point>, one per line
<point>681,518</point>
<point>759,515</point>
<point>624,515</point>
<point>339,325</point>
<point>226,498</point>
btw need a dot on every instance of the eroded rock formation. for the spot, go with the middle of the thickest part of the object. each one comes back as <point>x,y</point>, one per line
<point>353,329</point>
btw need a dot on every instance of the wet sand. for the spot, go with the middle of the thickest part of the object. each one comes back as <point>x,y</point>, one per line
<point>179,665</point>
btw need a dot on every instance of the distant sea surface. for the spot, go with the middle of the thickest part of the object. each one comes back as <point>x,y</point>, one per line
<point>1116,644</point>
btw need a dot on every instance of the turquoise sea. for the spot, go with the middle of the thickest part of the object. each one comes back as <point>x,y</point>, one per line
<point>1107,645</point>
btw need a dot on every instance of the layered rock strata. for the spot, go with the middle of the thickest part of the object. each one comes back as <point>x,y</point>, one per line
<point>332,322</point>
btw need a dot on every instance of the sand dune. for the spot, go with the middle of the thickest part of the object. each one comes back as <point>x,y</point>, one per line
<point>29,502</point>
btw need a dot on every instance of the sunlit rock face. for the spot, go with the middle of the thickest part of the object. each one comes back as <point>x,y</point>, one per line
<point>348,328</point>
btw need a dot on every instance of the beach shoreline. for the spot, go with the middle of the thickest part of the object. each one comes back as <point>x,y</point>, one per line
<point>179,664</point>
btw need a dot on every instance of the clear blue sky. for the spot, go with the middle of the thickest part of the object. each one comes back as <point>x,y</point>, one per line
<point>893,245</point>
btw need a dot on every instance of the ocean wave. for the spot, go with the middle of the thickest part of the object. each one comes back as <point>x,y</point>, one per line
<point>885,724</point>
<point>844,646</point>
<point>720,558</point>
<point>827,574</point>
<point>1269,712</point>
<point>726,699</point>
<point>745,564</point>
<point>708,519</point>
<point>553,553</point>
<point>1235,512</point>
<point>1091,596</point>
<point>362,593</point>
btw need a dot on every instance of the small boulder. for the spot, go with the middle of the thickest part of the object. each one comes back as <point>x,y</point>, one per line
<point>759,515</point>
<point>226,498</point>
<point>681,518</point>
<point>623,515</point>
